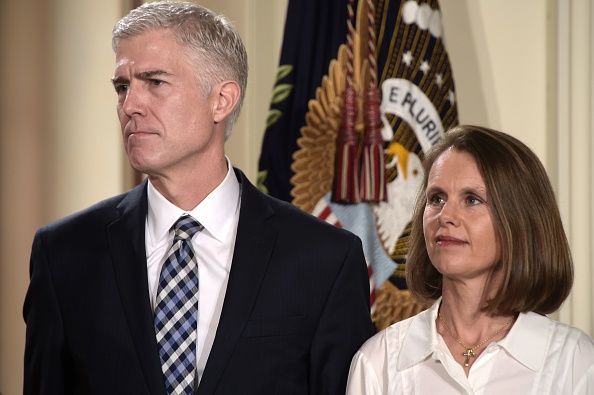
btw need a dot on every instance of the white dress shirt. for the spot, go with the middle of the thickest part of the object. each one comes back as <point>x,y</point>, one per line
<point>537,356</point>
<point>213,246</point>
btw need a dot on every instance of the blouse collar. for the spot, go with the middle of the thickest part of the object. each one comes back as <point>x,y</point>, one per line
<point>526,341</point>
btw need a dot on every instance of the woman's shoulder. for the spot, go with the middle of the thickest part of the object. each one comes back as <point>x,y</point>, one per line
<point>370,368</point>
<point>561,343</point>
<point>563,352</point>
<point>567,334</point>
<point>382,360</point>
<point>575,339</point>
<point>391,337</point>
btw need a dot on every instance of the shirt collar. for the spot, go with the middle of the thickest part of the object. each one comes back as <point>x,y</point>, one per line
<point>215,212</point>
<point>421,339</point>
<point>527,340</point>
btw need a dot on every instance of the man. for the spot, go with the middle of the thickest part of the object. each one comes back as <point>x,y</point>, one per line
<point>194,281</point>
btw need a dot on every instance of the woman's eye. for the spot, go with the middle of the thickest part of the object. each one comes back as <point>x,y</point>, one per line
<point>435,199</point>
<point>472,200</point>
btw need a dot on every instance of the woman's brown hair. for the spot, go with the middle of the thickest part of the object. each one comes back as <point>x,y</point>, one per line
<point>535,260</point>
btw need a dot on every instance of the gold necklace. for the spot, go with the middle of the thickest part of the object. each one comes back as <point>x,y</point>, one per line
<point>469,352</point>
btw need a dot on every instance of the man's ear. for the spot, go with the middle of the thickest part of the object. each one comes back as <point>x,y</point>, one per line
<point>226,97</point>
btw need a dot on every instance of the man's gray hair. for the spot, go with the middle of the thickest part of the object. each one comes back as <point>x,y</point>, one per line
<point>213,42</point>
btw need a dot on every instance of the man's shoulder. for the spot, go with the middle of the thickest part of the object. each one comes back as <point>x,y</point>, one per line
<point>288,216</point>
<point>291,216</point>
<point>98,215</point>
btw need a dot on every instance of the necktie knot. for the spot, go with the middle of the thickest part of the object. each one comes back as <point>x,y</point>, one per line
<point>185,228</point>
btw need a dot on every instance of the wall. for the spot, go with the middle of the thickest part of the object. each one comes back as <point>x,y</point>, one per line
<point>20,213</point>
<point>521,66</point>
<point>499,64</point>
<point>574,123</point>
<point>59,139</point>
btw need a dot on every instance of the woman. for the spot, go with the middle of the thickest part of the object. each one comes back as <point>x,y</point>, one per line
<point>488,247</point>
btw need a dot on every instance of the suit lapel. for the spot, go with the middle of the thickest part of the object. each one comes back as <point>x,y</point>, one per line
<point>126,238</point>
<point>253,247</point>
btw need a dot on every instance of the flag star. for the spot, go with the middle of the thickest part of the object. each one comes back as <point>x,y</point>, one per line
<point>407,58</point>
<point>439,80</point>
<point>425,67</point>
<point>451,97</point>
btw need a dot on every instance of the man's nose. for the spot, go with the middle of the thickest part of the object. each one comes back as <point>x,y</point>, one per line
<point>134,102</point>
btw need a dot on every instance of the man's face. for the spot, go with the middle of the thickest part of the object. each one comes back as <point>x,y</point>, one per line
<point>167,122</point>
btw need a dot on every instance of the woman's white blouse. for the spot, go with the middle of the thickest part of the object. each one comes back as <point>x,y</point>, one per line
<point>538,356</point>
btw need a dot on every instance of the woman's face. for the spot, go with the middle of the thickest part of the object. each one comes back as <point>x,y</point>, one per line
<point>457,221</point>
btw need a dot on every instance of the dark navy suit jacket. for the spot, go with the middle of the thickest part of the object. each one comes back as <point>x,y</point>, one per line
<point>295,311</point>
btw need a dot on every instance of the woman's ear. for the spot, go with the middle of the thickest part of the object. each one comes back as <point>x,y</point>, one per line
<point>226,97</point>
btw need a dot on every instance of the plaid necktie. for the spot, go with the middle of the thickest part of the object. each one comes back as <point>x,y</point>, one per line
<point>176,309</point>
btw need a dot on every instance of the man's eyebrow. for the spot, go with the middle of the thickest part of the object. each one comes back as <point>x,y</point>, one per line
<point>119,80</point>
<point>145,75</point>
